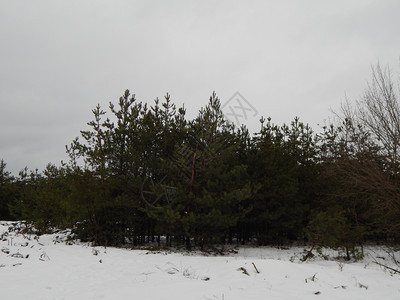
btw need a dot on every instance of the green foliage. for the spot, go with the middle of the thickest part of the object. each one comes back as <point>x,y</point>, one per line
<point>141,174</point>
<point>327,228</point>
<point>7,192</point>
<point>284,171</point>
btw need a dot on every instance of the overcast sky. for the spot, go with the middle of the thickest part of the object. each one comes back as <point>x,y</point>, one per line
<point>58,59</point>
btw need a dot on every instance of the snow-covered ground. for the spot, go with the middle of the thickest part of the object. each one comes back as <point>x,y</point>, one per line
<point>46,268</point>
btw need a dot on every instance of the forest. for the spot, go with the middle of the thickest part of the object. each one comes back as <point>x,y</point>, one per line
<point>144,174</point>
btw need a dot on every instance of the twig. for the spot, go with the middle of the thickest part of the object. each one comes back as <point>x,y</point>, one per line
<point>310,251</point>
<point>382,265</point>
<point>255,268</point>
<point>244,271</point>
<point>313,278</point>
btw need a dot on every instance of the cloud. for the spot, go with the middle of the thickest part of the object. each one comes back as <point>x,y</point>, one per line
<point>59,59</point>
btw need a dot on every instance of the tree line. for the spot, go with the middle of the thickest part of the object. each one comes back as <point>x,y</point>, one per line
<point>146,174</point>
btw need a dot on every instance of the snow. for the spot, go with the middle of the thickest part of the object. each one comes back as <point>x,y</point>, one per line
<point>46,267</point>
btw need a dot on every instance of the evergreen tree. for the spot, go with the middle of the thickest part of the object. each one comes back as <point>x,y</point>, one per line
<point>284,162</point>
<point>141,172</point>
<point>218,182</point>
<point>7,191</point>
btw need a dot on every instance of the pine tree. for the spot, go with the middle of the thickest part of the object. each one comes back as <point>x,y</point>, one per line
<point>7,191</point>
<point>281,167</point>
<point>216,182</point>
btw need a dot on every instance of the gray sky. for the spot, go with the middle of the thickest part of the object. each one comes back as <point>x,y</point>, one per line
<point>58,59</point>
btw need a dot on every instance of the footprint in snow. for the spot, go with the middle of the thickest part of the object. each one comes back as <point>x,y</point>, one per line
<point>172,271</point>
